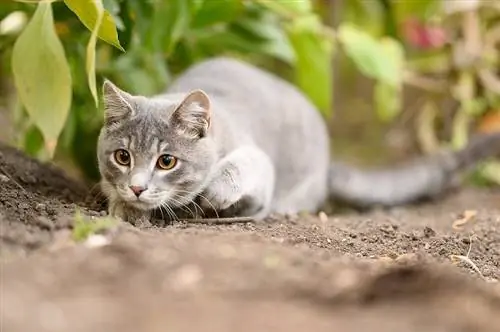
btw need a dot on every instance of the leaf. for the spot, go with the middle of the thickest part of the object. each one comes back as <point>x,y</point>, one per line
<point>426,132</point>
<point>378,59</point>
<point>287,7</point>
<point>489,123</point>
<point>388,101</point>
<point>490,171</point>
<point>88,13</point>
<point>214,12</point>
<point>313,61</point>
<point>268,37</point>
<point>90,63</point>
<point>42,76</point>
<point>83,228</point>
<point>466,216</point>
<point>171,20</point>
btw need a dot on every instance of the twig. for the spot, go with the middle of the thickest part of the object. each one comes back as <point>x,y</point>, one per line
<point>11,178</point>
<point>425,83</point>
<point>219,221</point>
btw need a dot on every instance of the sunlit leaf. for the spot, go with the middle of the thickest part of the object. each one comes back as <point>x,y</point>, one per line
<point>394,52</point>
<point>426,127</point>
<point>288,7</point>
<point>313,61</point>
<point>378,59</point>
<point>423,9</point>
<point>90,63</point>
<point>388,101</point>
<point>42,76</point>
<point>88,13</point>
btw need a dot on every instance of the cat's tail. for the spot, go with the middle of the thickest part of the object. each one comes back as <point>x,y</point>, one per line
<point>420,179</point>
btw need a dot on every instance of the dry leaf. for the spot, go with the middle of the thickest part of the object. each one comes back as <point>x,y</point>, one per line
<point>465,218</point>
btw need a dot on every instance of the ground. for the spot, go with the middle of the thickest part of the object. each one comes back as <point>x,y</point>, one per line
<point>375,271</point>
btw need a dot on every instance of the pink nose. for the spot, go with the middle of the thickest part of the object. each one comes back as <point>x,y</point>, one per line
<point>138,190</point>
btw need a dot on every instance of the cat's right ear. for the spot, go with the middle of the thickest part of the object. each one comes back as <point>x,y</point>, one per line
<point>117,103</point>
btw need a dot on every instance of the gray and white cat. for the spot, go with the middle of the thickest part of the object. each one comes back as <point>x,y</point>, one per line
<point>248,143</point>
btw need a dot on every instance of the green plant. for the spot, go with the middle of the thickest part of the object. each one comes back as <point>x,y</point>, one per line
<point>83,228</point>
<point>58,63</point>
<point>61,57</point>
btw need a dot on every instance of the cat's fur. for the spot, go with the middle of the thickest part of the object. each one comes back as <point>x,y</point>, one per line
<point>249,143</point>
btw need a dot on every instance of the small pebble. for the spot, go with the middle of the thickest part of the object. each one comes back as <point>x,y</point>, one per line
<point>429,232</point>
<point>4,178</point>
<point>97,240</point>
<point>322,216</point>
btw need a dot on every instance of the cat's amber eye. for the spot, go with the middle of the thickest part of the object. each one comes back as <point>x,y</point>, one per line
<point>122,157</point>
<point>166,162</point>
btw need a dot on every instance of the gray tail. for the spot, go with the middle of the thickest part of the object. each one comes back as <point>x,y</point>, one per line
<point>421,179</point>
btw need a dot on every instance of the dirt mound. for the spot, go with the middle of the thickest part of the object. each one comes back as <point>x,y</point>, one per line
<point>376,271</point>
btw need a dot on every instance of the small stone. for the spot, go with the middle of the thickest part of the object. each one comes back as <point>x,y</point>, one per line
<point>429,232</point>
<point>97,240</point>
<point>4,178</point>
<point>323,217</point>
<point>406,258</point>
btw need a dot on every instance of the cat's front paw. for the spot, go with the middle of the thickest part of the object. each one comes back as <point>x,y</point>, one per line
<point>221,194</point>
<point>128,214</point>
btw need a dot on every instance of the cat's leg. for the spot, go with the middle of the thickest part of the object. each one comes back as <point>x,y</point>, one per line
<point>117,208</point>
<point>121,210</point>
<point>243,182</point>
<point>307,195</point>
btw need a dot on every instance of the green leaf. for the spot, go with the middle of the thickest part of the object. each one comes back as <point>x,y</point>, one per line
<point>313,54</point>
<point>83,228</point>
<point>378,59</point>
<point>267,37</point>
<point>394,53</point>
<point>288,7</point>
<point>90,63</point>
<point>214,12</point>
<point>388,101</point>
<point>42,76</point>
<point>170,23</point>
<point>88,13</point>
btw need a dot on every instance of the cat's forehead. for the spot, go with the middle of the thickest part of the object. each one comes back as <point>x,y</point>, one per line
<point>156,107</point>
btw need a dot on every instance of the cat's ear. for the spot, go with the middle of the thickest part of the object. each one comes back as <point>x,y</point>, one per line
<point>117,103</point>
<point>192,115</point>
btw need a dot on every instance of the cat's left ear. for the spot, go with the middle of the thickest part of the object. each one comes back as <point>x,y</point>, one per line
<point>117,103</point>
<point>192,116</point>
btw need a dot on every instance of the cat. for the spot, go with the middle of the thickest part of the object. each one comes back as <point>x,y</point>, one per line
<point>246,143</point>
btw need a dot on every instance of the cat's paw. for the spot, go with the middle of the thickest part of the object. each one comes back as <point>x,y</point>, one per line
<point>221,194</point>
<point>121,211</point>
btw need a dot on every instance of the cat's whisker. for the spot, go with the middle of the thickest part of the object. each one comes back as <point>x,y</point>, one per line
<point>171,212</point>
<point>202,196</point>
<point>183,207</point>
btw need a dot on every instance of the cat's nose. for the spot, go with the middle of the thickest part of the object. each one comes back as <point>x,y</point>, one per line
<point>138,190</point>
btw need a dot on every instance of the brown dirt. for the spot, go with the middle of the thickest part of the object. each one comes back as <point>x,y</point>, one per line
<point>376,271</point>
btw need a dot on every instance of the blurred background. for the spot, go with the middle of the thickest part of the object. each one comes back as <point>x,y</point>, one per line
<point>393,79</point>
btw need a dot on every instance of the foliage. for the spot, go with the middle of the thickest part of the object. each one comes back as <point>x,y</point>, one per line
<point>142,45</point>
<point>84,228</point>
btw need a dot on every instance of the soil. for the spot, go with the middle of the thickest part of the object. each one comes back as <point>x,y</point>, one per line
<point>381,270</point>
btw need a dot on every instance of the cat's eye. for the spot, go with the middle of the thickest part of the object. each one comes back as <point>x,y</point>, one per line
<point>122,157</point>
<point>166,162</point>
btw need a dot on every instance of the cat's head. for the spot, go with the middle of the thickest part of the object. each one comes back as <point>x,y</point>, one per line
<point>153,151</point>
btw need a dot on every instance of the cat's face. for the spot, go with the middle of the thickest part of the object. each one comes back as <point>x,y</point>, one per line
<point>155,152</point>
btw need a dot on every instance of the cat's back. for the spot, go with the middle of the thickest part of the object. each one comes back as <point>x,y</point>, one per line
<point>258,101</point>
